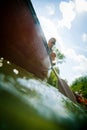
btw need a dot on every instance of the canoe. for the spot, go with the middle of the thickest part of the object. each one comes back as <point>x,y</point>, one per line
<point>21,38</point>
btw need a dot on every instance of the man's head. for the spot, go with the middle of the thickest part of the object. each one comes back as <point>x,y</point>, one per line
<point>51,42</point>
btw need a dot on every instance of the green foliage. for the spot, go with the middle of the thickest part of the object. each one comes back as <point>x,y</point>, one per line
<point>80,85</point>
<point>59,55</point>
<point>52,79</point>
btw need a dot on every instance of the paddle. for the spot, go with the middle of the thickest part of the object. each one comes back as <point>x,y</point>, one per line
<point>61,83</point>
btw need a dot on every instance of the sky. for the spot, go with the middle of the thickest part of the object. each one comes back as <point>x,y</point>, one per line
<point>66,20</point>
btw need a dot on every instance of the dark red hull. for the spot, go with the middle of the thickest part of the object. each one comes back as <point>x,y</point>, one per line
<point>21,38</point>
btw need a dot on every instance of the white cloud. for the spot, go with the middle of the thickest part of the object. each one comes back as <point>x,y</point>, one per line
<point>70,53</point>
<point>69,11</point>
<point>81,5</point>
<point>48,27</point>
<point>80,60</point>
<point>84,37</point>
<point>68,14</point>
<point>82,65</point>
<point>80,48</point>
<point>50,9</point>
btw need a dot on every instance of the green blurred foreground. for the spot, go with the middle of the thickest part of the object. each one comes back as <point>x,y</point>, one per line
<point>27,103</point>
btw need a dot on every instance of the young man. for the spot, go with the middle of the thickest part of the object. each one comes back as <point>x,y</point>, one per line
<point>51,43</point>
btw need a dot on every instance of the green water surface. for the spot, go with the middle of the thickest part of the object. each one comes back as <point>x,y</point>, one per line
<point>28,103</point>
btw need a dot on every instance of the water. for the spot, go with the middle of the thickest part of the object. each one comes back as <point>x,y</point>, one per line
<point>27,102</point>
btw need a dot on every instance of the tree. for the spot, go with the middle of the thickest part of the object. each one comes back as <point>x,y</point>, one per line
<point>59,54</point>
<point>80,85</point>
